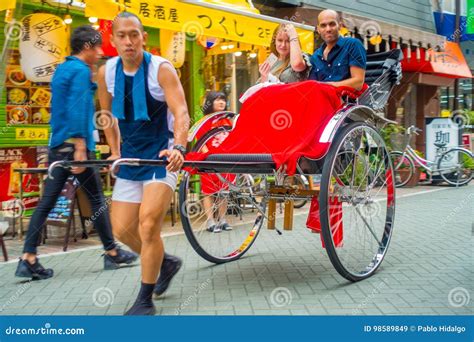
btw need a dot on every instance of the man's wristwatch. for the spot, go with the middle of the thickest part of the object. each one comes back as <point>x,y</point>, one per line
<point>180,148</point>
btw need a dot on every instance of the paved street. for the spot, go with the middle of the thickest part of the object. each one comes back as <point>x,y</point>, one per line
<point>428,270</point>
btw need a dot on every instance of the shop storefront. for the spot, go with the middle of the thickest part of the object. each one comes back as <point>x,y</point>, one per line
<point>427,79</point>
<point>213,46</point>
<point>461,98</point>
<point>35,42</point>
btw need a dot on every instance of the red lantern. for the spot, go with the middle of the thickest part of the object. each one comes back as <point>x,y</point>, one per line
<point>105,29</point>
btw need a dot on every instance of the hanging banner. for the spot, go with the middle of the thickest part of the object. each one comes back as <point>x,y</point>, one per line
<point>173,46</point>
<point>7,4</point>
<point>43,45</point>
<point>470,17</point>
<point>197,20</point>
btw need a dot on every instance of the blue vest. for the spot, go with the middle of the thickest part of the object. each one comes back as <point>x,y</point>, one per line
<point>143,139</point>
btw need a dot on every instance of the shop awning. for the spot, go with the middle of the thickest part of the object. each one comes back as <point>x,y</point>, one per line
<point>201,18</point>
<point>448,63</point>
<point>396,32</point>
<point>7,4</point>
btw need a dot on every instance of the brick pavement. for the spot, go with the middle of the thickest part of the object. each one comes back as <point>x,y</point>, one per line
<point>431,256</point>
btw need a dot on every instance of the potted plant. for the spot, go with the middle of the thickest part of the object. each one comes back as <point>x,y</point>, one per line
<point>392,134</point>
<point>416,173</point>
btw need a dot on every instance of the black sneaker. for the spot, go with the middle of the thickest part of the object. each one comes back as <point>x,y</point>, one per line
<point>141,309</point>
<point>35,271</point>
<point>122,257</point>
<point>224,226</point>
<point>169,268</point>
<point>217,229</point>
<point>210,229</point>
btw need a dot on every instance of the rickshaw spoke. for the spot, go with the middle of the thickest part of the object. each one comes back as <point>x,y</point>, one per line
<point>367,225</point>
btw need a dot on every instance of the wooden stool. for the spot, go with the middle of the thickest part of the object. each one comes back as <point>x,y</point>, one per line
<point>288,218</point>
<point>271,213</point>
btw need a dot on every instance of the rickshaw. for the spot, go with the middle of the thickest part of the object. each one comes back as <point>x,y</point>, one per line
<point>352,204</point>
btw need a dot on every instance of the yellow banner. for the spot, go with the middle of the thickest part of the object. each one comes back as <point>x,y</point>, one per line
<point>31,134</point>
<point>242,5</point>
<point>7,4</point>
<point>195,19</point>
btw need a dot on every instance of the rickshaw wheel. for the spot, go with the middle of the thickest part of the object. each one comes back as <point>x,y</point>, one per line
<point>233,198</point>
<point>357,201</point>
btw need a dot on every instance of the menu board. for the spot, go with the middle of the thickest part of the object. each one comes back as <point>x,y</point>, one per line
<point>27,102</point>
<point>64,208</point>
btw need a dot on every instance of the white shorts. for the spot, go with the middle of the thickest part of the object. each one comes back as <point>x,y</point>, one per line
<point>131,191</point>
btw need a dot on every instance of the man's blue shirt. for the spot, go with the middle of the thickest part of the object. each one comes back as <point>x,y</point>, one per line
<point>346,53</point>
<point>72,103</point>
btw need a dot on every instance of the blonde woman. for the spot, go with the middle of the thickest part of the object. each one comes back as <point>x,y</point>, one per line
<point>292,64</point>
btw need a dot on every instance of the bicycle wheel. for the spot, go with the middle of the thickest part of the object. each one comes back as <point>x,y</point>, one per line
<point>297,182</point>
<point>225,199</point>
<point>403,166</point>
<point>357,201</point>
<point>456,166</point>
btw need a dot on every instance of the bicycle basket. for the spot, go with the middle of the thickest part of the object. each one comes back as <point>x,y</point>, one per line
<point>399,141</point>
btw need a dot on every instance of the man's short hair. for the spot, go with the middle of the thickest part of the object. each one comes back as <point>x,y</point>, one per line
<point>339,18</point>
<point>127,15</point>
<point>84,37</point>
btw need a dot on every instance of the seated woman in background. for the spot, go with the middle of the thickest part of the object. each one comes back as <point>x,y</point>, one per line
<point>215,207</point>
<point>292,65</point>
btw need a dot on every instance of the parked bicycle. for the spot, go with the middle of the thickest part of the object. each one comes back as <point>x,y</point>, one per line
<point>455,166</point>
